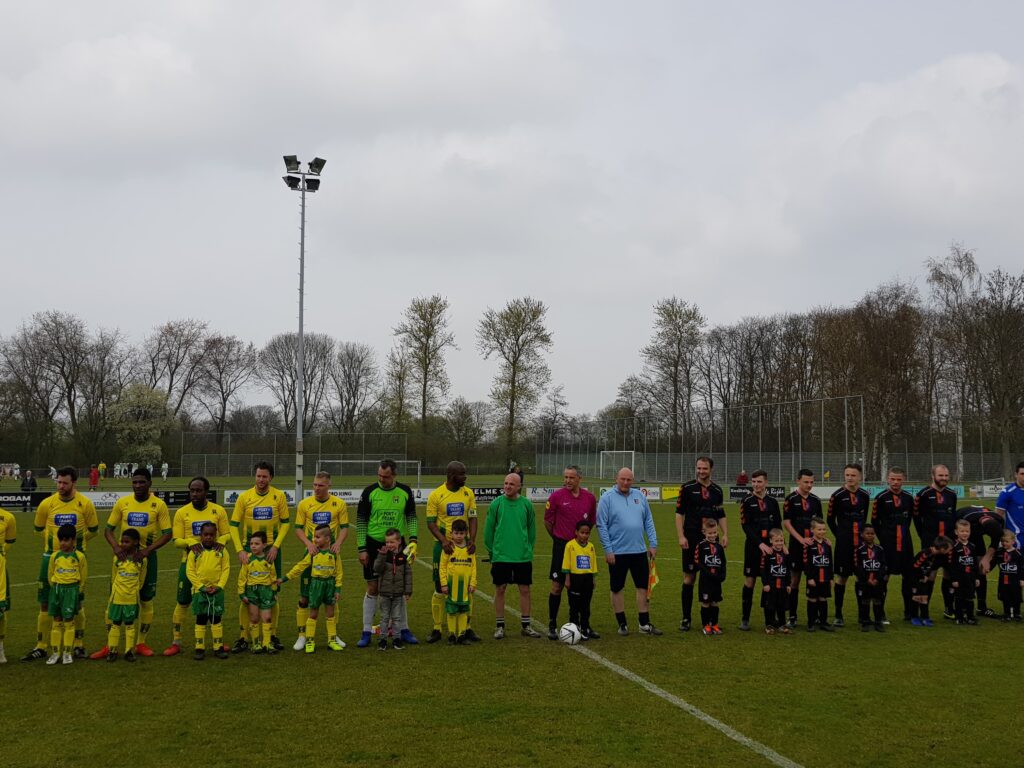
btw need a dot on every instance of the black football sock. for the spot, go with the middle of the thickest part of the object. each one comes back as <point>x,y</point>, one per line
<point>705,616</point>
<point>823,611</point>
<point>879,613</point>
<point>923,608</point>
<point>840,599</point>
<point>864,611</point>
<point>748,602</point>
<point>794,602</point>
<point>554,602</point>
<point>714,615</point>
<point>645,618</point>
<point>769,617</point>
<point>621,618</point>
<point>687,601</point>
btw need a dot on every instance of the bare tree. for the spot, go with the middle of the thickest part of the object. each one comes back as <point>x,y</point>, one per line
<point>354,381</point>
<point>517,336</point>
<point>226,366</point>
<point>278,372</point>
<point>108,370</point>
<point>553,418</point>
<point>396,391</point>
<point>466,424</point>
<point>172,359</point>
<point>425,336</point>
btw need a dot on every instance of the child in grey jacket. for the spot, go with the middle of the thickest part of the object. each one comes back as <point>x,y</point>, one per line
<point>394,582</point>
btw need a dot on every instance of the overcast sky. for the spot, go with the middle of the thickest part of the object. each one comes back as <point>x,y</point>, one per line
<point>748,157</point>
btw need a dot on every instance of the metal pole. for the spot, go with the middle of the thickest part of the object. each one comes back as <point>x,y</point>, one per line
<point>760,421</point>
<point>863,435</point>
<point>846,433</point>
<point>823,437</point>
<point>981,445</point>
<point>300,363</point>
<point>800,434</point>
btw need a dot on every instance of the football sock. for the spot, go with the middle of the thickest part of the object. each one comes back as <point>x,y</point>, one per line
<point>275,615</point>
<point>461,623</point>
<point>69,635</point>
<point>44,624</point>
<point>620,617</point>
<point>714,615</point>
<point>769,617</point>
<point>310,630</point>
<point>145,619</point>
<point>452,624</point>
<point>644,618</point>
<point>301,615</point>
<point>266,627</point>
<point>332,627</point>
<point>56,634</point>
<point>794,601</point>
<point>879,613</point>
<point>369,609</point>
<point>748,601</point>
<point>554,603</point>
<point>217,630</point>
<point>177,619</point>
<point>437,609</point>
<point>243,621</point>
<point>705,616</point>
<point>129,637</point>
<point>114,638</point>
<point>840,598</point>
<point>687,601</point>
<point>200,637</point>
<point>78,628</point>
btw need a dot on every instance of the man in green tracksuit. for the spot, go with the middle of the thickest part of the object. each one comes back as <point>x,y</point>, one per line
<point>509,534</point>
<point>384,504</point>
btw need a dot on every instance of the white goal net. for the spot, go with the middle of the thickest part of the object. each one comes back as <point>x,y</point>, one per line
<point>612,461</point>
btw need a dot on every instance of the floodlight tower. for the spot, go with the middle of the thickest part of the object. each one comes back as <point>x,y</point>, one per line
<point>301,181</point>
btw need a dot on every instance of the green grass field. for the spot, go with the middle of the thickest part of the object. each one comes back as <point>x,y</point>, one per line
<point>848,699</point>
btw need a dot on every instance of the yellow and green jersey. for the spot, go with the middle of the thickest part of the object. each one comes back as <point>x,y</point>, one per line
<point>579,559</point>
<point>149,517</point>
<point>129,577</point>
<point>54,512</point>
<point>258,572</point>
<point>310,513</point>
<point>458,572</point>
<point>188,522</point>
<point>8,530</point>
<point>255,511</point>
<point>68,568</point>
<point>445,506</point>
<point>323,565</point>
<point>210,568</point>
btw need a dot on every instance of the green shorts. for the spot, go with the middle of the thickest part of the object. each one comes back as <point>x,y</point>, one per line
<point>304,579</point>
<point>453,607</point>
<point>123,614</point>
<point>204,604</point>
<point>184,586</point>
<point>435,568</point>
<point>64,601</point>
<point>148,590</point>
<point>261,595</point>
<point>321,592</point>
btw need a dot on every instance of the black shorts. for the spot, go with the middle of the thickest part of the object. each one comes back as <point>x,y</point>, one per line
<point>900,563</point>
<point>922,588</point>
<point>752,557</point>
<point>557,554</point>
<point>1010,593</point>
<point>820,590</point>
<point>870,592</point>
<point>966,590</point>
<point>692,537</point>
<point>709,589</point>
<point>777,599</point>
<point>844,552</point>
<point>372,548</point>
<point>635,564</point>
<point>511,573</point>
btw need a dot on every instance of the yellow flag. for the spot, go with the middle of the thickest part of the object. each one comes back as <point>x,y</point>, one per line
<point>828,474</point>
<point>652,579</point>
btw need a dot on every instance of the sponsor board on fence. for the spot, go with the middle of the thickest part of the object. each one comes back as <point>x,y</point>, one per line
<point>652,492</point>
<point>107,499</point>
<point>986,490</point>
<point>740,492</point>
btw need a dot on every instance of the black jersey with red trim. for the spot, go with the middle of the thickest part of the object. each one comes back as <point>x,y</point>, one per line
<point>963,561</point>
<point>847,514</point>
<point>926,563</point>
<point>891,514</point>
<point>934,514</point>
<point>696,502</point>
<point>799,511</point>
<point>775,570</point>
<point>818,561</point>
<point>758,516</point>
<point>709,557</point>
<point>1010,564</point>
<point>869,560</point>
<point>983,523</point>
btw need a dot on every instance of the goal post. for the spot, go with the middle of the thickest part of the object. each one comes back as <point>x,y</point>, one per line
<point>363,468</point>
<point>612,461</point>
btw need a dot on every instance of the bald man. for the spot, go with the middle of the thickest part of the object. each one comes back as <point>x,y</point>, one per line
<point>509,534</point>
<point>626,528</point>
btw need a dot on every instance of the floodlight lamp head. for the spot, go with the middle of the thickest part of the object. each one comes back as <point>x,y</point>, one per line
<point>291,163</point>
<point>291,181</point>
<point>316,165</point>
<point>312,185</point>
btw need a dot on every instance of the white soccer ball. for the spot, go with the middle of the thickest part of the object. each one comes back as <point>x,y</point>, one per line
<point>570,634</point>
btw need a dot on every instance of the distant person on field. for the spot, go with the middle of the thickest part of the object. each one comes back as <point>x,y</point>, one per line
<point>53,473</point>
<point>164,468</point>
<point>742,478</point>
<point>28,482</point>
<point>509,535</point>
<point>102,467</point>
<point>94,478</point>
<point>567,507</point>
<point>626,528</point>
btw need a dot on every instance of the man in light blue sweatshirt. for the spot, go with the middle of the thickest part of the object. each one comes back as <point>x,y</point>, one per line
<point>627,533</point>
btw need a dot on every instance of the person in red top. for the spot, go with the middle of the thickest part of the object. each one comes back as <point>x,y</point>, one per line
<point>94,478</point>
<point>741,478</point>
<point>565,508</point>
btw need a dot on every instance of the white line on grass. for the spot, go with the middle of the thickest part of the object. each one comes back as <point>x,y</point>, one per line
<point>753,745</point>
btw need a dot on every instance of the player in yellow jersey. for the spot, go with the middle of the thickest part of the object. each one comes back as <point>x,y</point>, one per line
<point>129,579</point>
<point>256,582</point>
<point>66,574</point>
<point>447,503</point>
<point>261,508</point>
<point>579,564</point>
<point>458,583</point>
<point>322,508</point>
<point>148,515</point>
<point>186,528</point>
<point>208,570</point>
<point>8,533</point>
<point>324,587</point>
<point>66,507</point>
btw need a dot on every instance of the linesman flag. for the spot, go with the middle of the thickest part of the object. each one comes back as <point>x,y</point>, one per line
<point>652,579</point>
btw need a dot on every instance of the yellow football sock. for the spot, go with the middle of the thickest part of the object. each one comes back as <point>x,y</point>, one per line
<point>55,635</point>
<point>301,615</point>
<point>145,619</point>
<point>452,624</point>
<point>266,634</point>
<point>69,635</point>
<point>243,621</point>
<point>44,625</point>
<point>310,628</point>
<point>437,609</point>
<point>200,636</point>
<point>275,614</point>
<point>78,628</point>
<point>332,627</point>
<point>180,614</point>
<point>129,637</point>
<point>461,623</point>
<point>114,637</point>
<point>218,635</point>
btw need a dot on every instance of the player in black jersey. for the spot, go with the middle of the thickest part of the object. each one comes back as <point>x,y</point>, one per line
<point>870,567</point>
<point>934,516</point>
<point>818,570</point>
<point>799,508</point>
<point>775,567</point>
<point>983,523</point>
<point>963,570</point>
<point>709,558</point>
<point>891,513</point>
<point>928,561</point>
<point>1009,566</point>
<point>847,515</point>
<point>759,514</point>
<point>699,500</point>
